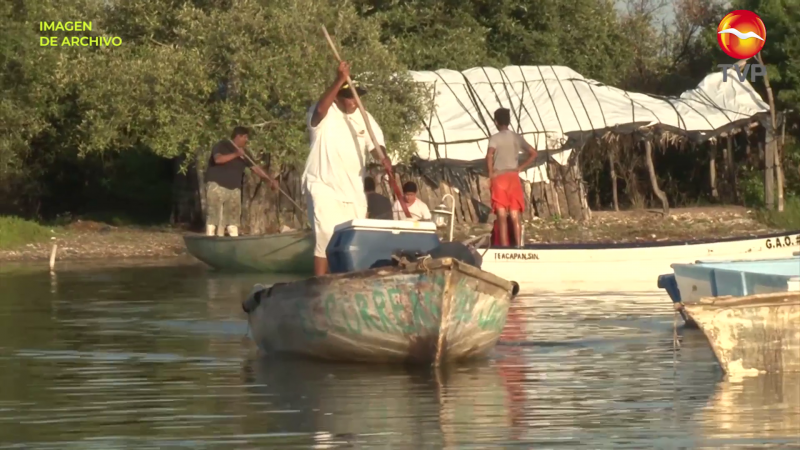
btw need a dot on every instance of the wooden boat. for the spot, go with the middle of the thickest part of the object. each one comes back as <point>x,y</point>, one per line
<point>546,264</point>
<point>275,253</point>
<point>754,334</point>
<point>430,311</point>
<point>690,282</point>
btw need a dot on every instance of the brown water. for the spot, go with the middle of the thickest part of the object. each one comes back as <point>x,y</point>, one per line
<point>154,358</point>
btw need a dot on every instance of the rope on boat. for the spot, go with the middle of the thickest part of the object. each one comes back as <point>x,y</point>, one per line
<point>675,342</point>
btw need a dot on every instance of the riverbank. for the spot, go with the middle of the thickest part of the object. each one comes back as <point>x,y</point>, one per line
<point>87,240</point>
<point>644,225</point>
<point>94,240</point>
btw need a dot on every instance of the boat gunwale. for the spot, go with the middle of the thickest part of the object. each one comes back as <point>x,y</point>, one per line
<point>646,244</point>
<point>730,301</point>
<point>203,237</point>
<point>425,265</point>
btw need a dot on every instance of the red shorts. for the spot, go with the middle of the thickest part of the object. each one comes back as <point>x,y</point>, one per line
<point>507,192</point>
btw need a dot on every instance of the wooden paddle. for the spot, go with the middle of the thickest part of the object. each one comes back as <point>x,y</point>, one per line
<point>386,164</point>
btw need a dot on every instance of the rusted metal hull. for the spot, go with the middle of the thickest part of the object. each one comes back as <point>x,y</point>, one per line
<point>754,334</point>
<point>392,314</point>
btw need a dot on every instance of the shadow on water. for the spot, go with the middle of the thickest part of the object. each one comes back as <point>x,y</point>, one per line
<point>154,357</point>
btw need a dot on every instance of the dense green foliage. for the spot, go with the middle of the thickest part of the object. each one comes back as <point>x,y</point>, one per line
<point>98,128</point>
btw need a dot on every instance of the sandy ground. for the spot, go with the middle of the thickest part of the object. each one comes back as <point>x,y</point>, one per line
<point>92,240</point>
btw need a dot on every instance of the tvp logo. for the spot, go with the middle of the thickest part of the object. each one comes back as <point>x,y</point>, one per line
<point>741,35</point>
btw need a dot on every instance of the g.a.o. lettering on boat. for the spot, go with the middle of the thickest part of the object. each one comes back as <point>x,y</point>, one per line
<point>782,241</point>
<point>510,256</point>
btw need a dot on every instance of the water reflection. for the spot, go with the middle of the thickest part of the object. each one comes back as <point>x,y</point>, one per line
<point>764,409</point>
<point>369,405</point>
<point>154,357</point>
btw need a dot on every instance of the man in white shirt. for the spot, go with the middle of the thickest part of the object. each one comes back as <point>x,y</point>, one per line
<point>418,209</point>
<point>333,179</point>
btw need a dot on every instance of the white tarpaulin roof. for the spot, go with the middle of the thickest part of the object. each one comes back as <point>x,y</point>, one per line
<point>555,108</point>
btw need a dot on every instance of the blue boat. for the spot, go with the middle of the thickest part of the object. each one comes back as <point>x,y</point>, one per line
<point>737,278</point>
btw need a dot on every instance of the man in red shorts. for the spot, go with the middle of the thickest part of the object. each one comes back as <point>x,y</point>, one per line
<point>502,160</point>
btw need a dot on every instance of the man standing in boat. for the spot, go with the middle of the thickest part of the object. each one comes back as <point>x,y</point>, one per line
<point>223,181</point>
<point>502,162</point>
<point>333,179</point>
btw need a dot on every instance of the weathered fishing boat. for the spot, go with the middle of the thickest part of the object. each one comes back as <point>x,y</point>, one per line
<point>291,252</point>
<point>754,334</point>
<point>740,278</point>
<point>428,311</point>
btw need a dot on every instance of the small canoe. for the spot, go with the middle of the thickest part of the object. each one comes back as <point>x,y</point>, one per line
<point>274,253</point>
<point>754,334</point>
<point>430,311</point>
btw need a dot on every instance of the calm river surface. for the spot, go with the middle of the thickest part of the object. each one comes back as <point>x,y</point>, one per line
<point>156,358</point>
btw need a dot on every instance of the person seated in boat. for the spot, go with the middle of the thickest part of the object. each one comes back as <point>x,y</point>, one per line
<point>333,178</point>
<point>502,163</point>
<point>418,209</point>
<point>378,206</point>
<point>223,180</point>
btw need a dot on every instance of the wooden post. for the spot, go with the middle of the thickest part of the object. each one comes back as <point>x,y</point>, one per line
<point>53,258</point>
<point>712,169</point>
<point>648,149</point>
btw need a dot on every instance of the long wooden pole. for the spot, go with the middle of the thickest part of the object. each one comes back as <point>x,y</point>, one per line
<point>386,165</point>
<point>279,188</point>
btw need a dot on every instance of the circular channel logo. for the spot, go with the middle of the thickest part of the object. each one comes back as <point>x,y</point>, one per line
<point>741,34</point>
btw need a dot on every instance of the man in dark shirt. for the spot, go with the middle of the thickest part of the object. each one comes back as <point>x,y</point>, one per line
<point>378,206</point>
<point>224,183</point>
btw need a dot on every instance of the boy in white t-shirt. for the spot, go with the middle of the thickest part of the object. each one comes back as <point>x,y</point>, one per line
<point>333,179</point>
<point>418,209</point>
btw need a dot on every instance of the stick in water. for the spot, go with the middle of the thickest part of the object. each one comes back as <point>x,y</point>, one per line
<point>53,257</point>
<point>395,187</point>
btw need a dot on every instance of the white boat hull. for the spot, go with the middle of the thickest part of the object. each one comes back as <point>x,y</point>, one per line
<point>549,265</point>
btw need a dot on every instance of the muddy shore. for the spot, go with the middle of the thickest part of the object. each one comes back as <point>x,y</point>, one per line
<point>93,241</point>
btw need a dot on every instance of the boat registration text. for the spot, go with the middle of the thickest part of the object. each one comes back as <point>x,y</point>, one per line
<point>525,256</point>
<point>782,241</point>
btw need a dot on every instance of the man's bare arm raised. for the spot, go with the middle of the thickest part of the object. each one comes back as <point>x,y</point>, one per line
<point>325,102</point>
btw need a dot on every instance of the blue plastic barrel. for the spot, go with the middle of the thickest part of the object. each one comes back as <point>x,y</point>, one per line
<point>358,244</point>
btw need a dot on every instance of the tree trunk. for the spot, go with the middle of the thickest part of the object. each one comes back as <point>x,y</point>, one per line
<point>730,169</point>
<point>776,153</point>
<point>769,169</point>
<point>199,169</point>
<point>258,206</point>
<point>772,153</point>
<point>612,163</point>
<point>648,149</point>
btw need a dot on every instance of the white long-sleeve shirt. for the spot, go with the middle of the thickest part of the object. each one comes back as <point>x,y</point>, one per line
<point>419,211</point>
